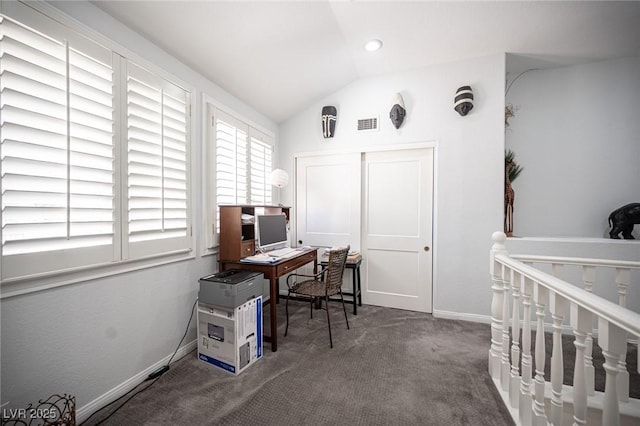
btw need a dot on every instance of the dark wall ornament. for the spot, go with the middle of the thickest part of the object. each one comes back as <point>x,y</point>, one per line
<point>398,111</point>
<point>329,117</point>
<point>623,219</point>
<point>463,102</point>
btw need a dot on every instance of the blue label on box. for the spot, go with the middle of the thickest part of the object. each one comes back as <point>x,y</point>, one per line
<point>217,362</point>
<point>259,326</point>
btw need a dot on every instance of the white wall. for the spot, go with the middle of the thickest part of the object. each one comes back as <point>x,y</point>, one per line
<point>88,338</point>
<point>576,135</point>
<point>469,161</point>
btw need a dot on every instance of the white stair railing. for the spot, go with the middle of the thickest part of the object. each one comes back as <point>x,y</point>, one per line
<point>514,283</point>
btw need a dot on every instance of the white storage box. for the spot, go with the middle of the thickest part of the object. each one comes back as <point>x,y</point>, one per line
<point>230,338</point>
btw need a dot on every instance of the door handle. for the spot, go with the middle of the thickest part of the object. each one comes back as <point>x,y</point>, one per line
<point>426,248</point>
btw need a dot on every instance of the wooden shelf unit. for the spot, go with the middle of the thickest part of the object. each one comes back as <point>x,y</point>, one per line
<point>238,239</point>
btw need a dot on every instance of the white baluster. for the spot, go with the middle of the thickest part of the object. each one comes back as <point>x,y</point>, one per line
<point>514,386</point>
<point>623,278</point>
<point>540,296</point>
<point>558,307</point>
<point>497,289</point>
<point>504,360</point>
<point>612,341</point>
<point>589,277</point>
<point>557,270</point>
<point>525,408</point>
<point>582,323</point>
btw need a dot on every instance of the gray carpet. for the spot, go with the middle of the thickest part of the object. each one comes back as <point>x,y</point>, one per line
<point>393,367</point>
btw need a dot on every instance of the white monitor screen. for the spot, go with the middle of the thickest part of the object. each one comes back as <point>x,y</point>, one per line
<point>272,231</point>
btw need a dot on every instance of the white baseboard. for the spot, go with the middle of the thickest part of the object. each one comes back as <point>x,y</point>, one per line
<point>83,413</point>
<point>485,319</point>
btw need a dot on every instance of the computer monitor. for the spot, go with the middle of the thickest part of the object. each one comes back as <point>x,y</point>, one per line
<point>272,231</point>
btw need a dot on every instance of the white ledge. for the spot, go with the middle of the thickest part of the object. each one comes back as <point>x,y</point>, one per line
<point>586,240</point>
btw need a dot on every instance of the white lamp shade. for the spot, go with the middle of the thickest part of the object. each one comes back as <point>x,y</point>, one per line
<point>279,178</point>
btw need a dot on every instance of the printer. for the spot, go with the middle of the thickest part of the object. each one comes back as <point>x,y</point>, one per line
<point>230,288</point>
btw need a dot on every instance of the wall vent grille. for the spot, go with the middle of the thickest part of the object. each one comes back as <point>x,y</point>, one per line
<point>368,124</point>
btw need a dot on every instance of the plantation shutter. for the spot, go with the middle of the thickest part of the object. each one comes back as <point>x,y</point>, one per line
<point>261,165</point>
<point>157,164</point>
<point>232,185</point>
<point>56,152</point>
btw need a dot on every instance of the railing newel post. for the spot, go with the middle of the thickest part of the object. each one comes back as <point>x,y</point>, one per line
<point>497,288</point>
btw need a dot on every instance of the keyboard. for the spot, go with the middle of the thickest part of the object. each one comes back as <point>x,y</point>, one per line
<point>283,252</point>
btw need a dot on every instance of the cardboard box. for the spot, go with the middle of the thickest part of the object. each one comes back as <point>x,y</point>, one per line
<point>230,338</point>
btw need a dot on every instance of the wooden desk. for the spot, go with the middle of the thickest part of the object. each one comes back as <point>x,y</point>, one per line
<point>272,272</point>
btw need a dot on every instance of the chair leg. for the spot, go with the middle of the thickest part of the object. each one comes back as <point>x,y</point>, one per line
<point>311,300</point>
<point>329,321</point>
<point>286,309</point>
<point>345,310</point>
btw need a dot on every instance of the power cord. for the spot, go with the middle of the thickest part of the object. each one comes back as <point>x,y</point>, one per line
<point>184,335</point>
<point>155,376</point>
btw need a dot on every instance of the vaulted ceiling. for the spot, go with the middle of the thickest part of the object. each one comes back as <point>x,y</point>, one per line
<point>279,57</point>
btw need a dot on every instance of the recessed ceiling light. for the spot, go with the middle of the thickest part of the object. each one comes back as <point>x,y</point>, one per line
<point>373,45</point>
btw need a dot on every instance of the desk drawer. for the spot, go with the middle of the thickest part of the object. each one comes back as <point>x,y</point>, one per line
<point>294,263</point>
<point>248,248</point>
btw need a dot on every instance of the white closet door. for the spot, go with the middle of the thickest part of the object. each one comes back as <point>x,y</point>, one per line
<point>327,209</point>
<point>397,229</point>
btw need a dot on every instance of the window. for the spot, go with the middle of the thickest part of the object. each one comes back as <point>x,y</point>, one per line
<point>243,162</point>
<point>57,145</point>
<point>157,179</point>
<point>86,180</point>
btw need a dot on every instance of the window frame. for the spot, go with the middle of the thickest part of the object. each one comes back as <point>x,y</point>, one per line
<point>50,21</point>
<point>211,240</point>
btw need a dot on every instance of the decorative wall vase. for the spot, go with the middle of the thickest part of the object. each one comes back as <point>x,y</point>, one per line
<point>329,117</point>
<point>398,111</point>
<point>463,102</point>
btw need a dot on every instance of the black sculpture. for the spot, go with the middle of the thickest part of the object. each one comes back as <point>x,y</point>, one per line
<point>623,219</point>
<point>329,117</point>
<point>398,111</point>
<point>463,102</point>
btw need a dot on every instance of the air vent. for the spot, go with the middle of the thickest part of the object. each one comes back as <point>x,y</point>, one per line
<point>368,124</point>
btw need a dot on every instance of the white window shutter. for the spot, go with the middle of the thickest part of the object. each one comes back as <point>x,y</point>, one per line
<point>261,164</point>
<point>232,182</point>
<point>56,153</point>
<point>157,164</point>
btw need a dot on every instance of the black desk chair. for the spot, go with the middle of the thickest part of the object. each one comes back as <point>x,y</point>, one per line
<point>324,284</point>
